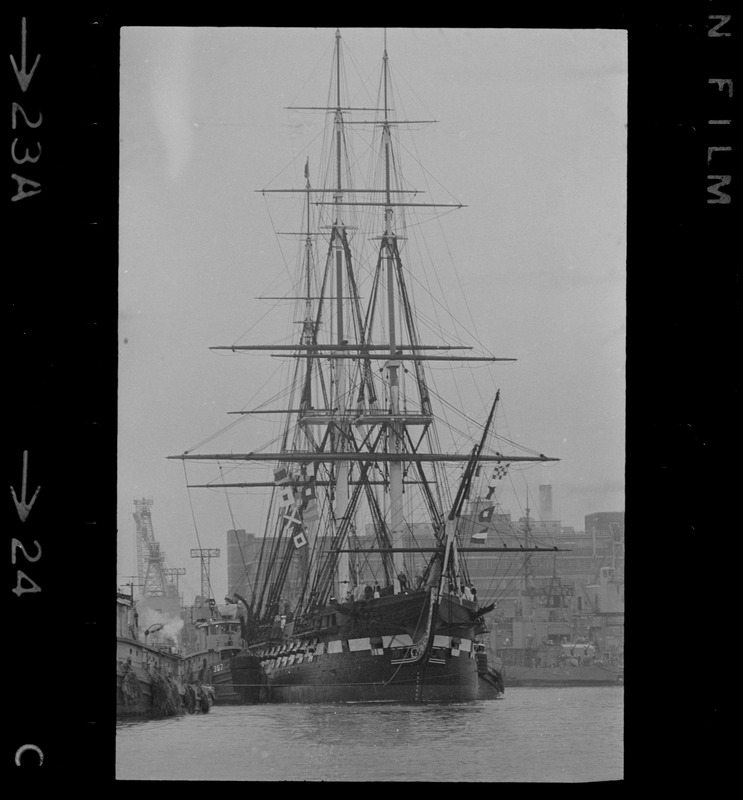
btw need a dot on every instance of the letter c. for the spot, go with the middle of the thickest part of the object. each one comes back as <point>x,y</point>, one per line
<point>21,750</point>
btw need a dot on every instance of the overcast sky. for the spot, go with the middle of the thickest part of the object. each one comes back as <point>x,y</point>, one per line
<point>531,136</point>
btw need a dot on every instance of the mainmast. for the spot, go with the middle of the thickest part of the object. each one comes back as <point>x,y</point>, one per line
<point>394,429</point>
<point>308,328</point>
<point>338,237</point>
<point>309,339</point>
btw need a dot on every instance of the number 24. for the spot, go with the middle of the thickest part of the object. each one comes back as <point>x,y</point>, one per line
<point>19,590</point>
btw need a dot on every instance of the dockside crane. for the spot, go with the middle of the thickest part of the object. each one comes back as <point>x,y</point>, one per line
<point>150,558</point>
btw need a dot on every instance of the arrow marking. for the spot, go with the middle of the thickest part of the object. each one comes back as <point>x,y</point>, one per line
<point>24,78</point>
<point>23,508</point>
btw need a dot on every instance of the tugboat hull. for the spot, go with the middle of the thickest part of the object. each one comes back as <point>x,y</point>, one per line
<point>148,694</point>
<point>248,680</point>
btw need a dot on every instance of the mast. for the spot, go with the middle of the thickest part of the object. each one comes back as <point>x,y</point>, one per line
<point>527,570</point>
<point>527,538</point>
<point>395,428</point>
<point>309,339</point>
<point>450,557</point>
<point>338,234</point>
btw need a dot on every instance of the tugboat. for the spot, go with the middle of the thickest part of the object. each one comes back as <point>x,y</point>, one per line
<point>150,678</point>
<point>219,660</point>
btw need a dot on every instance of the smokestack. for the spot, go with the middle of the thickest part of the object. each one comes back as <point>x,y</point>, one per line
<point>545,502</point>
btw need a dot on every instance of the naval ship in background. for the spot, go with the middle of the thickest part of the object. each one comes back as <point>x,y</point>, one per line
<point>546,642</point>
<point>567,627</point>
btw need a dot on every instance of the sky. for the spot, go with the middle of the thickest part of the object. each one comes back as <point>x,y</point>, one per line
<point>530,136</point>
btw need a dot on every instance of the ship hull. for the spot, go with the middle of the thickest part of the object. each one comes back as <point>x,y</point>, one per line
<point>239,681</point>
<point>139,697</point>
<point>589,675</point>
<point>236,680</point>
<point>390,650</point>
<point>151,684</point>
<point>365,678</point>
<point>491,685</point>
<point>249,681</point>
<point>148,682</point>
<point>221,678</point>
<point>133,696</point>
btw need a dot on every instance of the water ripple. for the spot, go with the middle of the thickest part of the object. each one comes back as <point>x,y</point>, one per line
<point>531,735</point>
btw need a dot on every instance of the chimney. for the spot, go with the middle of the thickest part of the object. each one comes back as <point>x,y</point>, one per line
<point>545,502</point>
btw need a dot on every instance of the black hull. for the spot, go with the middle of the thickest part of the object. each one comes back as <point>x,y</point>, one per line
<point>396,650</point>
<point>365,678</point>
<point>567,681</point>
<point>491,681</point>
<point>519,684</point>
<point>240,681</point>
<point>138,696</point>
<point>579,676</point>
<point>134,698</point>
<point>224,691</point>
<point>231,677</point>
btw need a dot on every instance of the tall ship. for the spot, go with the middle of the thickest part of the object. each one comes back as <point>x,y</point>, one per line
<point>360,591</point>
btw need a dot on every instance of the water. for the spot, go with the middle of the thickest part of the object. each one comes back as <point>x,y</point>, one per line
<point>572,734</point>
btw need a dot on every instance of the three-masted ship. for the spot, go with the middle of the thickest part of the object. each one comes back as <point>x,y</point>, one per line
<point>336,609</point>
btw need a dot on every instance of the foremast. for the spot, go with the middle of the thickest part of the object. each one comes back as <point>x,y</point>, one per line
<point>450,562</point>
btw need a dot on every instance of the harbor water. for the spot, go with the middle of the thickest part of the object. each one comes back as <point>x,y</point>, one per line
<point>570,734</point>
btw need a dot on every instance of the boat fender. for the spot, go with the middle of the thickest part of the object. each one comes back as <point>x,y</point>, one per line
<point>190,699</point>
